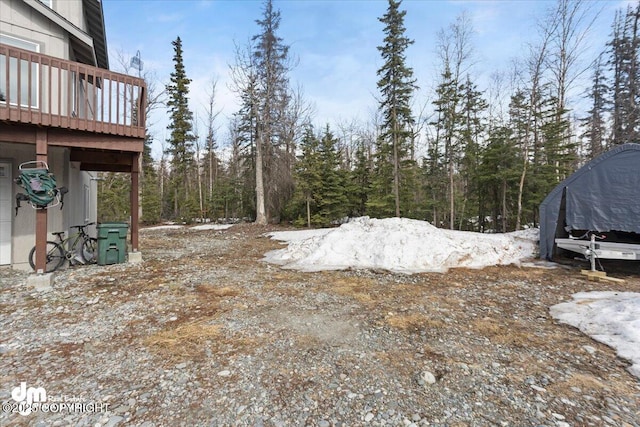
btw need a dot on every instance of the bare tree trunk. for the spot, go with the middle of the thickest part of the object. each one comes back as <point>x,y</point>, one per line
<point>200,188</point>
<point>198,172</point>
<point>451,197</point>
<point>162,174</point>
<point>504,205</point>
<point>261,216</point>
<point>521,187</point>
<point>462,211</point>
<point>211,176</point>
<point>211,117</point>
<point>175,202</point>
<point>308,213</point>
<point>396,166</point>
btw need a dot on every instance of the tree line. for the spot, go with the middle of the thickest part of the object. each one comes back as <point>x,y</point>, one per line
<point>482,159</point>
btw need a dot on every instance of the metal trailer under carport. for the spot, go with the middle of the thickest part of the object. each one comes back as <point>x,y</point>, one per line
<point>602,196</point>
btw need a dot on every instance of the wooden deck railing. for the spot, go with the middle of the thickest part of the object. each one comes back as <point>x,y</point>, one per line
<point>43,90</point>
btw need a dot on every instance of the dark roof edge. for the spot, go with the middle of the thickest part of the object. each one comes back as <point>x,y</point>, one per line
<point>94,14</point>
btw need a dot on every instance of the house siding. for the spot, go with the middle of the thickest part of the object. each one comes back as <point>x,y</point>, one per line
<point>72,12</point>
<point>18,19</point>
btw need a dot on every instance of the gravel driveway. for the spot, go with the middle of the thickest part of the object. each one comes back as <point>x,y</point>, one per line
<point>204,333</point>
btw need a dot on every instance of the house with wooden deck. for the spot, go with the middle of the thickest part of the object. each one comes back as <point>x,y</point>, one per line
<point>60,104</point>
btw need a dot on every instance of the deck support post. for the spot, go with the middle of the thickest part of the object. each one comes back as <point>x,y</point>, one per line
<point>41,213</point>
<point>135,194</point>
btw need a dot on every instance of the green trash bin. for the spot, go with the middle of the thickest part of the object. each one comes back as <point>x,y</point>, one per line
<point>112,242</point>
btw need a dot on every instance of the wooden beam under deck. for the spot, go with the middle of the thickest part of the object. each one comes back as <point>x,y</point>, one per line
<point>71,139</point>
<point>101,167</point>
<point>104,161</point>
<point>102,157</point>
<point>95,141</point>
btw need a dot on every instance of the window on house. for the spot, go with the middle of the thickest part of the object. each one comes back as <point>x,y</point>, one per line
<point>22,69</point>
<point>48,3</point>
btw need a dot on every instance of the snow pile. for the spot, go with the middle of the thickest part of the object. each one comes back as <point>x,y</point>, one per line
<point>398,245</point>
<point>612,318</point>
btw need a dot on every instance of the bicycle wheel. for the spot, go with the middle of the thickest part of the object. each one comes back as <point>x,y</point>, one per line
<point>89,251</point>
<point>55,257</point>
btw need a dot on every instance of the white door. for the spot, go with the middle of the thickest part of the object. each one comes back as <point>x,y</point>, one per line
<point>6,203</point>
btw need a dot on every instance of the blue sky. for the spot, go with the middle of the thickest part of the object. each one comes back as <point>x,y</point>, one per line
<point>334,41</point>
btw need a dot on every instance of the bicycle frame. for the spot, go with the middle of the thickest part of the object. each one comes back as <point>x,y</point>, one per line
<point>72,245</point>
<point>71,248</point>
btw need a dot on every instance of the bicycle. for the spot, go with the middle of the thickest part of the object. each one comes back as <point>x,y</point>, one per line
<point>82,249</point>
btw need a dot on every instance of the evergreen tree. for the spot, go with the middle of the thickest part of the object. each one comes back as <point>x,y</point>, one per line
<point>446,150</point>
<point>114,192</point>
<point>321,191</point>
<point>332,200</point>
<point>522,126</point>
<point>594,124</point>
<point>308,181</point>
<point>150,200</point>
<point>396,86</point>
<point>239,192</point>
<point>473,107</point>
<point>434,183</point>
<point>554,152</point>
<point>182,138</point>
<point>359,182</point>
<point>498,174</point>
<point>244,143</point>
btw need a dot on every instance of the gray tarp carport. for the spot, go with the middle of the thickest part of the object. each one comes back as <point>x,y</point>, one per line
<point>603,195</point>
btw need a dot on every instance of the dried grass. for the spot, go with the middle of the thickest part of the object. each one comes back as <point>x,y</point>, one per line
<point>213,290</point>
<point>185,341</point>
<point>359,288</point>
<point>487,327</point>
<point>511,334</point>
<point>587,381</point>
<point>414,322</point>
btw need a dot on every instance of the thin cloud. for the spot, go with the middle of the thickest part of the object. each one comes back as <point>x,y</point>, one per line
<point>164,18</point>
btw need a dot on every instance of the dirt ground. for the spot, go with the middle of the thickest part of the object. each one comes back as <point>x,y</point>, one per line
<point>279,347</point>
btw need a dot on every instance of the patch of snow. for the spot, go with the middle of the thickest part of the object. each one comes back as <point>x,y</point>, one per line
<point>211,227</point>
<point>399,245</point>
<point>162,227</point>
<point>612,318</point>
<point>194,228</point>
